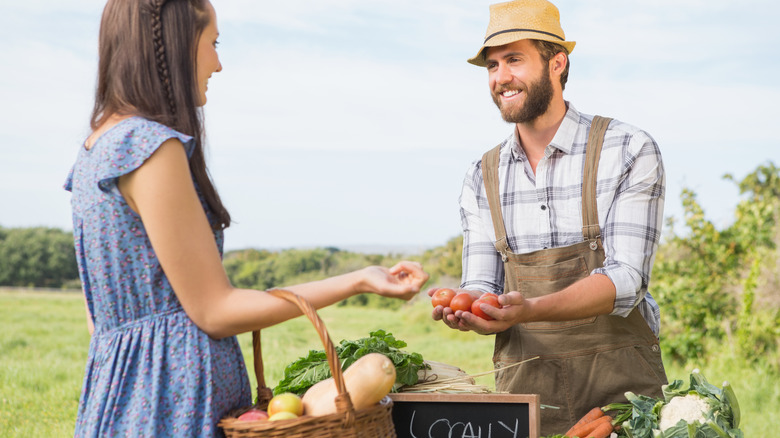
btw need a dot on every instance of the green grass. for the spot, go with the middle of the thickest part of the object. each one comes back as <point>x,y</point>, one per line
<point>43,346</point>
<point>44,340</point>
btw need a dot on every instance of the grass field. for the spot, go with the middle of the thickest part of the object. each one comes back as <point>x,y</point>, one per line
<point>43,346</point>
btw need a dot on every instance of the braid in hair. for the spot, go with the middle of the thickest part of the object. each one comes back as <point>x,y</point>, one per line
<point>159,52</point>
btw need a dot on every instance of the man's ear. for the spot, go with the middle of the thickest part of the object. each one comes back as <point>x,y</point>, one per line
<point>558,63</point>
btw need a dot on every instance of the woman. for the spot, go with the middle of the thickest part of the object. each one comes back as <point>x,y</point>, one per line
<point>148,227</point>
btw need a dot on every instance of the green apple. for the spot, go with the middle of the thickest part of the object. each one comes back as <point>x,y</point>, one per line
<point>286,402</point>
<point>282,416</point>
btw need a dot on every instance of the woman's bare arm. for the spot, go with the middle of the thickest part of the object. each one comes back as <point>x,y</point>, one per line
<point>161,191</point>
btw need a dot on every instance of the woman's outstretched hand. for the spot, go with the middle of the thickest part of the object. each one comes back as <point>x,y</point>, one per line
<point>404,280</point>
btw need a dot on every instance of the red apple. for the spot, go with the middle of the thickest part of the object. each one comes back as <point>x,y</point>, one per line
<point>253,414</point>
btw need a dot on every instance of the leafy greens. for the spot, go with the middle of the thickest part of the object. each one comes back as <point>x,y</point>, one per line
<point>303,373</point>
<point>641,416</point>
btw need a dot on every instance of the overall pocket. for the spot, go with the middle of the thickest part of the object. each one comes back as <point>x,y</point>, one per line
<point>536,281</point>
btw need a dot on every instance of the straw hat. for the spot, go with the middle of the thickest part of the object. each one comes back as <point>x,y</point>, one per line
<point>522,19</point>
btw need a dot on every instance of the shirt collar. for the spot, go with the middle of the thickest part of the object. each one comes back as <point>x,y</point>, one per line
<point>563,139</point>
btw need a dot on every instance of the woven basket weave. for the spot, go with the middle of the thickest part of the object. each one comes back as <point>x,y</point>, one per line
<point>373,422</point>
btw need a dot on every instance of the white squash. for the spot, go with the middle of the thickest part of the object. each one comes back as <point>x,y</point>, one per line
<point>368,380</point>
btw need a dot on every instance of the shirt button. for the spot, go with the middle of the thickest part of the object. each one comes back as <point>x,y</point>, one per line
<point>544,207</point>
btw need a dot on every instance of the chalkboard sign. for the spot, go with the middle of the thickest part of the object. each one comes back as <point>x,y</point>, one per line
<point>428,415</point>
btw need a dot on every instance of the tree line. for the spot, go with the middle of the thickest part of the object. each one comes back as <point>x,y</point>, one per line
<point>715,286</point>
<point>37,257</point>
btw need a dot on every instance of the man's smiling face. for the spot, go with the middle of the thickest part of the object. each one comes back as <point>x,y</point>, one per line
<point>519,81</point>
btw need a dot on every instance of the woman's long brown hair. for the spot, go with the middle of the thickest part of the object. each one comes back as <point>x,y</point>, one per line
<point>147,67</point>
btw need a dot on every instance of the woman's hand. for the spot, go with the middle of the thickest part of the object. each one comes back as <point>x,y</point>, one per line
<point>404,280</point>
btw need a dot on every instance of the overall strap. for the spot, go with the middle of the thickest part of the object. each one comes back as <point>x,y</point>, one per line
<point>490,176</point>
<point>590,218</point>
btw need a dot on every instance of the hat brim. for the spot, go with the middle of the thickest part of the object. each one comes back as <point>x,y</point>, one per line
<point>511,37</point>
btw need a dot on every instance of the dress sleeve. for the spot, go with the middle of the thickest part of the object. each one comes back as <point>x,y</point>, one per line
<point>69,181</point>
<point>131,146</point>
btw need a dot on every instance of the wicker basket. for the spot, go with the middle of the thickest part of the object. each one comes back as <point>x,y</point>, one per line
<point>374,422</point>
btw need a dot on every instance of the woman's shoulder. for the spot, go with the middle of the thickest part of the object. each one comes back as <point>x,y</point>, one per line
<point>139,137</point>
<point>128,144</point>
<point>143,130</point>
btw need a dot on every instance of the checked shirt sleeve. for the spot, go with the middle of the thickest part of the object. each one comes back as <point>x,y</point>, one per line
<point>483,269</point>
<point>632,229</point>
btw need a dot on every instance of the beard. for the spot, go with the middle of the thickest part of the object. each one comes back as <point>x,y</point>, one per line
<point>538,95</point>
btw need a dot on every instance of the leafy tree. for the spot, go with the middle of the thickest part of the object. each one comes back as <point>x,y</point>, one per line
<point>706,281</point>
<point>37,257</point>
<point>758,323</point>
<point>690,280</point>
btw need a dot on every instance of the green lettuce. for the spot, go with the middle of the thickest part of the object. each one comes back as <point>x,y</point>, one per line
<point>304,372</point>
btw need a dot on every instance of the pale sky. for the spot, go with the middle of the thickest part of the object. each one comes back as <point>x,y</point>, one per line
<point>348,123</point>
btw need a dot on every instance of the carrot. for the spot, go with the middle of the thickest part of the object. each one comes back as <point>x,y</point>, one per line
<point>587,418</point>
<point>602,431</point>
<point>584,430</point>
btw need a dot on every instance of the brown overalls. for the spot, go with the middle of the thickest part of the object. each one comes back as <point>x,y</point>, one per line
<point>585,363</point>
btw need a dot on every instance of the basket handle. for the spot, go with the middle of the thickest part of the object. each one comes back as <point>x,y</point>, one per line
<point>343,401</point>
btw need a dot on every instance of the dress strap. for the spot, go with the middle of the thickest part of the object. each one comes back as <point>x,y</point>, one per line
<point>590,217</point>
<point>490,176</point>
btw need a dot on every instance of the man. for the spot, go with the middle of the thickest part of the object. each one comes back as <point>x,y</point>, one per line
<point>567,238</point>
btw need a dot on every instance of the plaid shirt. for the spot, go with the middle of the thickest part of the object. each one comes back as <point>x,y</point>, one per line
<point>545,210</point>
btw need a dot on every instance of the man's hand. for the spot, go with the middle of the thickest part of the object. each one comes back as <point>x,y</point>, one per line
<point>514,310</point>
<point>591,296</point>
<point>445,314</point>
<point>513,307</point>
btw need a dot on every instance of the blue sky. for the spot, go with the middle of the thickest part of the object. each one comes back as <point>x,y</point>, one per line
<point>351,123</point>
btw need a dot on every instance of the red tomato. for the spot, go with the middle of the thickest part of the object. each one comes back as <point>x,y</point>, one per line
<point>486,298</point>
<point>442,297</point>
<point>461,301</point>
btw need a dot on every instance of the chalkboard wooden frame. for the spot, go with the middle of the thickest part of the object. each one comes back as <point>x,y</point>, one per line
<point>493,404</point>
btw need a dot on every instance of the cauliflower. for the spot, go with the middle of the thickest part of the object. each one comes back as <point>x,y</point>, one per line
<point>689,408</point>
<point>698,409</point>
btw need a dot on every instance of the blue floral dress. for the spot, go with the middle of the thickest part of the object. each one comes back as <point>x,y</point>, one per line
<point>150,371</point>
